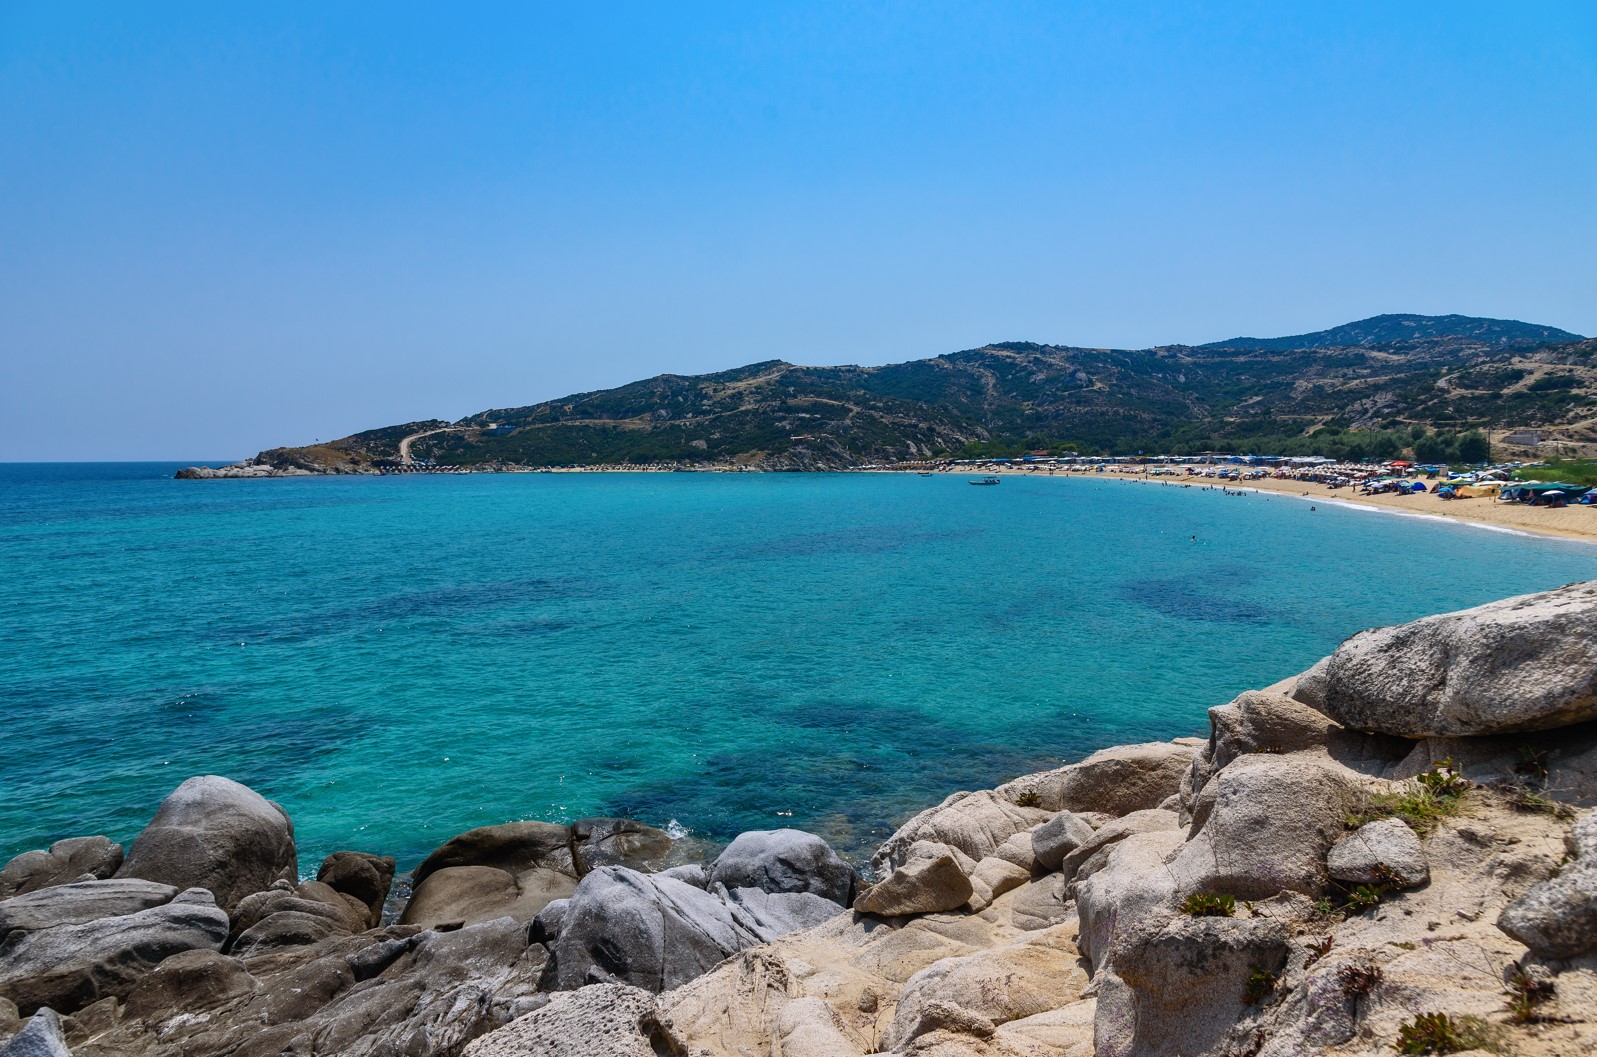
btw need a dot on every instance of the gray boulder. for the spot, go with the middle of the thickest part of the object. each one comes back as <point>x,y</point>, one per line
<point>991,878</point>
<point>1057,838</point>
<point>69,966</point>
<point>513,847</point>
<point>1557,918</point>
<point>618,842</point>
<point>975,823</point>
<point>1264,825</point>
<point>66,861</point>
<point>604,1020</point>
<point>1384,851</point>
<point>472,894</point>
<point>930,881</point>
<point>1267,721</point>
<point>367,878</point>
<point>286,928</point>
<point>1041,904</point>
<point>74,904</point>
<point>512,870</point>
<point>1125,778</point>
<point>42,1037</point>
<point>689,873</point>
<point>1018,849</point>
<point>550,920</point>
<point>1132,883</point>
<point>1522,664</point>
<point>1085,860</point>
<point>784,860</point>
<point>776,914</point>
<point>216,834</point>
<point>385,993</point>
<point>657,933</point>
<point>1179,985</point>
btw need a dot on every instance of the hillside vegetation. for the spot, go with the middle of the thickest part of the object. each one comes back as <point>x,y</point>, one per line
<point>1373,387</point>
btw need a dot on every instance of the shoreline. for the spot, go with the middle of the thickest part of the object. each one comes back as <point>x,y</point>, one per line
<point>1568,524</point>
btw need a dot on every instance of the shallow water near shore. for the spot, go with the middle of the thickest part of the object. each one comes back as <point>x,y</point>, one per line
<point>399,659</point>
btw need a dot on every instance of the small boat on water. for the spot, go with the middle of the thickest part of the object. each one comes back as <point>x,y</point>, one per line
<point>923,473</point>
<point>986,480</point>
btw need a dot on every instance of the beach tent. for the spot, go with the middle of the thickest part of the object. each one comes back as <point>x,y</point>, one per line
<point>1416,487</point>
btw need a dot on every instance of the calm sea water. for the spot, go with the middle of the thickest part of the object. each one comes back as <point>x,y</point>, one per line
<point>399,659</point>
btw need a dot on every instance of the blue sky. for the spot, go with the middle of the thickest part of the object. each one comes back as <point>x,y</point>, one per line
<point>225,227</point>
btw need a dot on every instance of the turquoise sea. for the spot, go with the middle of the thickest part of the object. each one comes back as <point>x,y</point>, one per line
<point>399,659</point>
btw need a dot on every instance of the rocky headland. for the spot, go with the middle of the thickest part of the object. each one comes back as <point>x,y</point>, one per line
<point>1395,851</point>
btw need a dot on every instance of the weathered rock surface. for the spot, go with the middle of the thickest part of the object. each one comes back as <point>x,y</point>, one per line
<point>385,993</point>
<point>1382,852</point>
<point>512,847</point>
<point>338,915</point>
<point>514,869</point>
<point>1179,985</point>
<point>618,842</point>
<point>518,868</point>
<point>1126,778</point>
<point>1270,722</point>
<point>604,1020</point>
<point>1557,918</point>
<point>216,834</point>
<point>42,1037</point>
<point>1522,664</point>
<point>785,860</point>
<point>1094,852</point>
<point>68,966</point>
<point>986,988</point>
<point>655,932</point>
<point>1264,825</point>
<point>472,894</point>
<point>991,878</point>
<point>65,861</point>
<point>1131,881</point>
<point>74,904</point>
<point>367,878</point>
<point>975,823</point>
<point>930,880</point>
<point>1058,837</point>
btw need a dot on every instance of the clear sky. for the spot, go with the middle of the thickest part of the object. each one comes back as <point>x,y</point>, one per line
<point>225,227</point>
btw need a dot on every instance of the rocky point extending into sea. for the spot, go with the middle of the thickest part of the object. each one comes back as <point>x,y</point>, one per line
<point>1395,849</point>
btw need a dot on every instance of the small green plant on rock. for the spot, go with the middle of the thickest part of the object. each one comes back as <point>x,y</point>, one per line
<point>1209,905</point>
<point>1441,781</point>
<point>1525,993</point>
<point>1260,986</point>
<point>1436,795</point>
<point>1532,764</point>
<point>1029,798</point>
<point>1439,1033</point>
<point>1364,897</point>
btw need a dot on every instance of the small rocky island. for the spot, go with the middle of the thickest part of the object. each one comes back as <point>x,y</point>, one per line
<point>1393,852</point>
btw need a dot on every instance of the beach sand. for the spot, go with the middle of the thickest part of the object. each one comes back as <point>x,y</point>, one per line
<point>1574,522</point>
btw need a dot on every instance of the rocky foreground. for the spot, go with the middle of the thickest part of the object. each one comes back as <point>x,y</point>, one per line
<point>1394,852</point>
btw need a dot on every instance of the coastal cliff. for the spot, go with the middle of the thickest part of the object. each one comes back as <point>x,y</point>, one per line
<point>1395,849</point>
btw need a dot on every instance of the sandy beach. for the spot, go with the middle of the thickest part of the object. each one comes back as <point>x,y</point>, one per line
<point>1574,522</point>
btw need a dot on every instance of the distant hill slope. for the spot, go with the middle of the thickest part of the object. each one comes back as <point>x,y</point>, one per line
<point>1389,329</point>
<point>1440,372</point>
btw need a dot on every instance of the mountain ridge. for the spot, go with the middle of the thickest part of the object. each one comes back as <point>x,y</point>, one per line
<point>1442,374</point>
